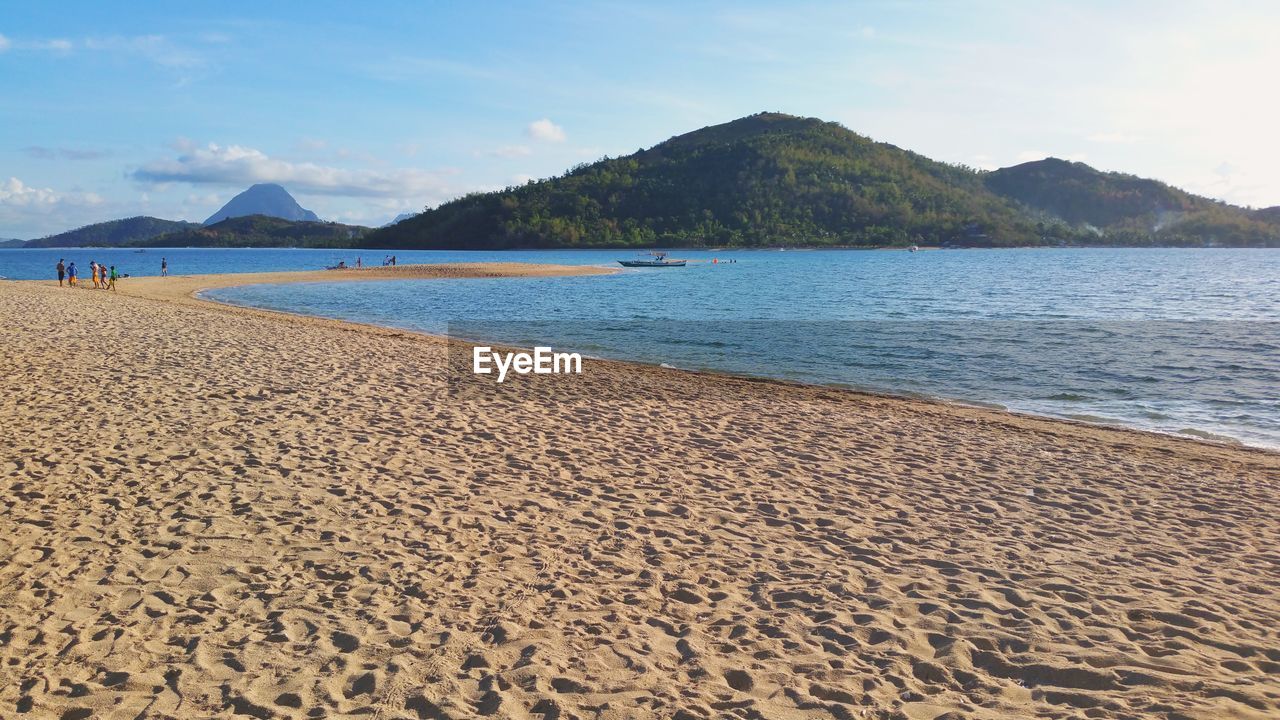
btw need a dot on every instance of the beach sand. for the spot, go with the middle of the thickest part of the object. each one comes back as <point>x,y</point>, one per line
<point>218,512</point>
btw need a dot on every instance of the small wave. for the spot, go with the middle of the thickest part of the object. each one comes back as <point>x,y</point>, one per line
<point>1096,419</point>
<point>1206,435</point>
<point>1069,397</point>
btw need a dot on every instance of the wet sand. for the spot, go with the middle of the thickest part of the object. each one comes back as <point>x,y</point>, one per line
<point>212,511</point>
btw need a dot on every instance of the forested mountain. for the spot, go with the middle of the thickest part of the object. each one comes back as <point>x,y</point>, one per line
<point>1268,215</point>
<point>1125,209</point>
<point>113,233</point>
<point>263,199</point>
<point>764,180</point>
<point>263,231</point>
<point>774,179</point>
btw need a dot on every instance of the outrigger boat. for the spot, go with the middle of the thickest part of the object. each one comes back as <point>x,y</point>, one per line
<point>659,260</point>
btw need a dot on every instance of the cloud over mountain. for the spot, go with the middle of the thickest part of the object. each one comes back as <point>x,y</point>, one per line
<point>239,165</point>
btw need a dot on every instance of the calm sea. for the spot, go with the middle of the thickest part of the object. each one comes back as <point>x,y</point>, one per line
<point>1180,341</point>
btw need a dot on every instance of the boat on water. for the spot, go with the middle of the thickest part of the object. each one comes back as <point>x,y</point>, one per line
<point>657,260</point>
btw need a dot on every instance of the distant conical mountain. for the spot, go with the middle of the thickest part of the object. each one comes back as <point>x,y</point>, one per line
<point>263,199</point>
<point>773,179</point>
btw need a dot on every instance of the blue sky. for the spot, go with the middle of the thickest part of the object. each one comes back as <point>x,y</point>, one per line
<point>366,110</point>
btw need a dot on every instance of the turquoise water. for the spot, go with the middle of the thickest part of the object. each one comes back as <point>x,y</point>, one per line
<point>1180,341</point>
<point>1177,340</point>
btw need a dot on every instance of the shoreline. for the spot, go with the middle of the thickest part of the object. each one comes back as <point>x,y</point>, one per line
<point>516,270</point>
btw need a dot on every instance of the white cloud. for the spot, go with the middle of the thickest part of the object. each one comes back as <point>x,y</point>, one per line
<point>40,152</point>
<point>236,165</point>
<point>545,131</point>
<point>13,193</point>
<point>55,45</point>
<point>16,194</point>
<point>510,151</point>
<point>25,209</point>
<point>154,48</point>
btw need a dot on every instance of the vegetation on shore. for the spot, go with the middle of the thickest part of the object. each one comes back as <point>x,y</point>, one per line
<point>777,180</point>
<point>263,231</point>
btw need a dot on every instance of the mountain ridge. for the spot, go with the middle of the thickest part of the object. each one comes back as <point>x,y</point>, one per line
<point>112,233</point>
<point>773,179</point>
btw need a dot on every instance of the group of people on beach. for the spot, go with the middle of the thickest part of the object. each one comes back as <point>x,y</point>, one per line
<point>104,278</point>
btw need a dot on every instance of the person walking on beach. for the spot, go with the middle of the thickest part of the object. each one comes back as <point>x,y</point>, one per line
<point>93,273</point>
<point>114,277</point>
<point>62,272</point>
<point>71,274</point>
<point>358,263</point>
<point>164,267</point>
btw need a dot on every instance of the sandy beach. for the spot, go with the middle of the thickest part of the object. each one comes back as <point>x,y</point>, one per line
<point>217,512</point>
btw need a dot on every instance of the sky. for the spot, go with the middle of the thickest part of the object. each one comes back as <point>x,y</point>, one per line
<point>367,110</point>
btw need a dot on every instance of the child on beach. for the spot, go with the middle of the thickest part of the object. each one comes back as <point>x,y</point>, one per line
<point>114,277</point>
<point>62,272</point>
<point>71,274</point>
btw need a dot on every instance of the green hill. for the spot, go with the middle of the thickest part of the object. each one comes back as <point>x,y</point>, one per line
<point>113,233</point>
<point>263,231</point>
<point>1116,208</point>
<point>1268,215</point>
<point>774,179</point>
<point>763,180</point>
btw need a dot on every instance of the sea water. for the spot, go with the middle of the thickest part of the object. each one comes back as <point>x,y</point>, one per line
<point>1175,340</point>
